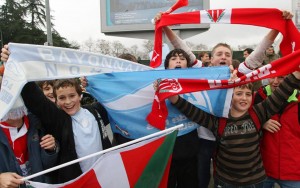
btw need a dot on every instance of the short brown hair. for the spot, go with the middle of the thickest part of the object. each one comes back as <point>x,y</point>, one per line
<point>247,86</point>
<point>221,44</point>
<point>128,57</point>
<point>72,82</point>
<point>235,63</point>
<point>202,54</point>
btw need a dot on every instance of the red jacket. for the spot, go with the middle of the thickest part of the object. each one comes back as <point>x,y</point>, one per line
<point>281,150</point>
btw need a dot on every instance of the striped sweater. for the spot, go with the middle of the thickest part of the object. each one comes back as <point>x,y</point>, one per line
<point>238,160</point>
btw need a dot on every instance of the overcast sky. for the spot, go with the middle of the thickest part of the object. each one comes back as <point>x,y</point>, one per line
<point>80,20</point>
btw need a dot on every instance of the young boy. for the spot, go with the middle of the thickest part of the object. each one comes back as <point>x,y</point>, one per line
<point>80,131</point>
<point>238,161</point>
<point>183,170</point>
<point>47,88</point>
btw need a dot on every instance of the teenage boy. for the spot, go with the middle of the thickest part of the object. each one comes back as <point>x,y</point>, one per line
<point>238,160</point>
<point>183,170</point>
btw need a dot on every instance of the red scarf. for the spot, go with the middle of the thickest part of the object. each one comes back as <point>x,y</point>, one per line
<point>263,17</point>
<point>170,87</point>
<point>17,139</point>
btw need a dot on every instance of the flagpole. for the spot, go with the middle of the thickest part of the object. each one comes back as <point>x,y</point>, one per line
<point>102,152</point>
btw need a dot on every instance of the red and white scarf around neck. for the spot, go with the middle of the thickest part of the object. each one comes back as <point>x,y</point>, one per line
<point>17,139</point>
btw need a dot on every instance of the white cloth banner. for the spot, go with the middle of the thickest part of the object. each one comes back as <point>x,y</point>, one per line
<point>34,63</point>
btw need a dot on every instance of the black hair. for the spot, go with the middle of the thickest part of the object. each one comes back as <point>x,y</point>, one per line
<point>175,52</point>
<point>248,50</point>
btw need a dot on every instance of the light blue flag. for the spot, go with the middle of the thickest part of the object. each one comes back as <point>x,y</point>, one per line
<point>128,98</point>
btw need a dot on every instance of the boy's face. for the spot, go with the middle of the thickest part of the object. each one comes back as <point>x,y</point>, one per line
<point>177,61</point>
<point>241,101</point>
<point>270,51</point>
<point>221,56</point>
<point>274,82</point>
<point>205,58</point>
<point>245,54</point>
<point>48,92</point>
<point>68,99</point>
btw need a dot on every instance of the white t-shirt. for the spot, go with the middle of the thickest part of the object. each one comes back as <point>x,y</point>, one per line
<point>86,136</point>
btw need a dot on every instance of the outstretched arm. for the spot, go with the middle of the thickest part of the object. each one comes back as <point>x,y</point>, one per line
<point>175,40</point>
<point>255,59</point>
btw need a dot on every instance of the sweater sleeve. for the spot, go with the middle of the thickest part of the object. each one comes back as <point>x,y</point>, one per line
<point>255,59</point>
<point>275,102</point>
<point>195,114</point>
<point>180,44</point>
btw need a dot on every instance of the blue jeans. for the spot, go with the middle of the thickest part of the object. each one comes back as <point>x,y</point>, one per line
<point>204,156</point>
<point>269,183</point>
<point>221,184</point>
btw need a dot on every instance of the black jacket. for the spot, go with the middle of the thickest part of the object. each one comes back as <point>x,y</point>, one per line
<point>59,124</point>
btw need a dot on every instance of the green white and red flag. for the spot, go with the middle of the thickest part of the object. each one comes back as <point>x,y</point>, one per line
<point>144,164</point>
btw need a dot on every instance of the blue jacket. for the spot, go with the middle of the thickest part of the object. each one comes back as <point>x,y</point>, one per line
<point>39,159</point>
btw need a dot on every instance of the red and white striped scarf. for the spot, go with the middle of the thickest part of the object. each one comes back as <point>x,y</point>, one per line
<point>263,17</point>
<point>170,87</point>
<point>17,139</point>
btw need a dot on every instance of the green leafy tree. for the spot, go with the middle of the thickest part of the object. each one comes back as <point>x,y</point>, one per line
<point>23,21</point>
<point>10,23</point>
<point>35,9</point>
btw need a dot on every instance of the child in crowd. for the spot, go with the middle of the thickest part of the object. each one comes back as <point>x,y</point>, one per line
<point>81,131</point>
<point>238,162</point>
<point>47,88</point>
<point>183,170</point>
<point>24,148</point>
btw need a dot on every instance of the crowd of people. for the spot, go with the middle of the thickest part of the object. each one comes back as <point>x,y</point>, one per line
<point>55,127</point>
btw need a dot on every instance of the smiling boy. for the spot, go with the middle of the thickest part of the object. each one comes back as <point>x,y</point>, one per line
<point>81,131</point>
<point>238,160</point>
